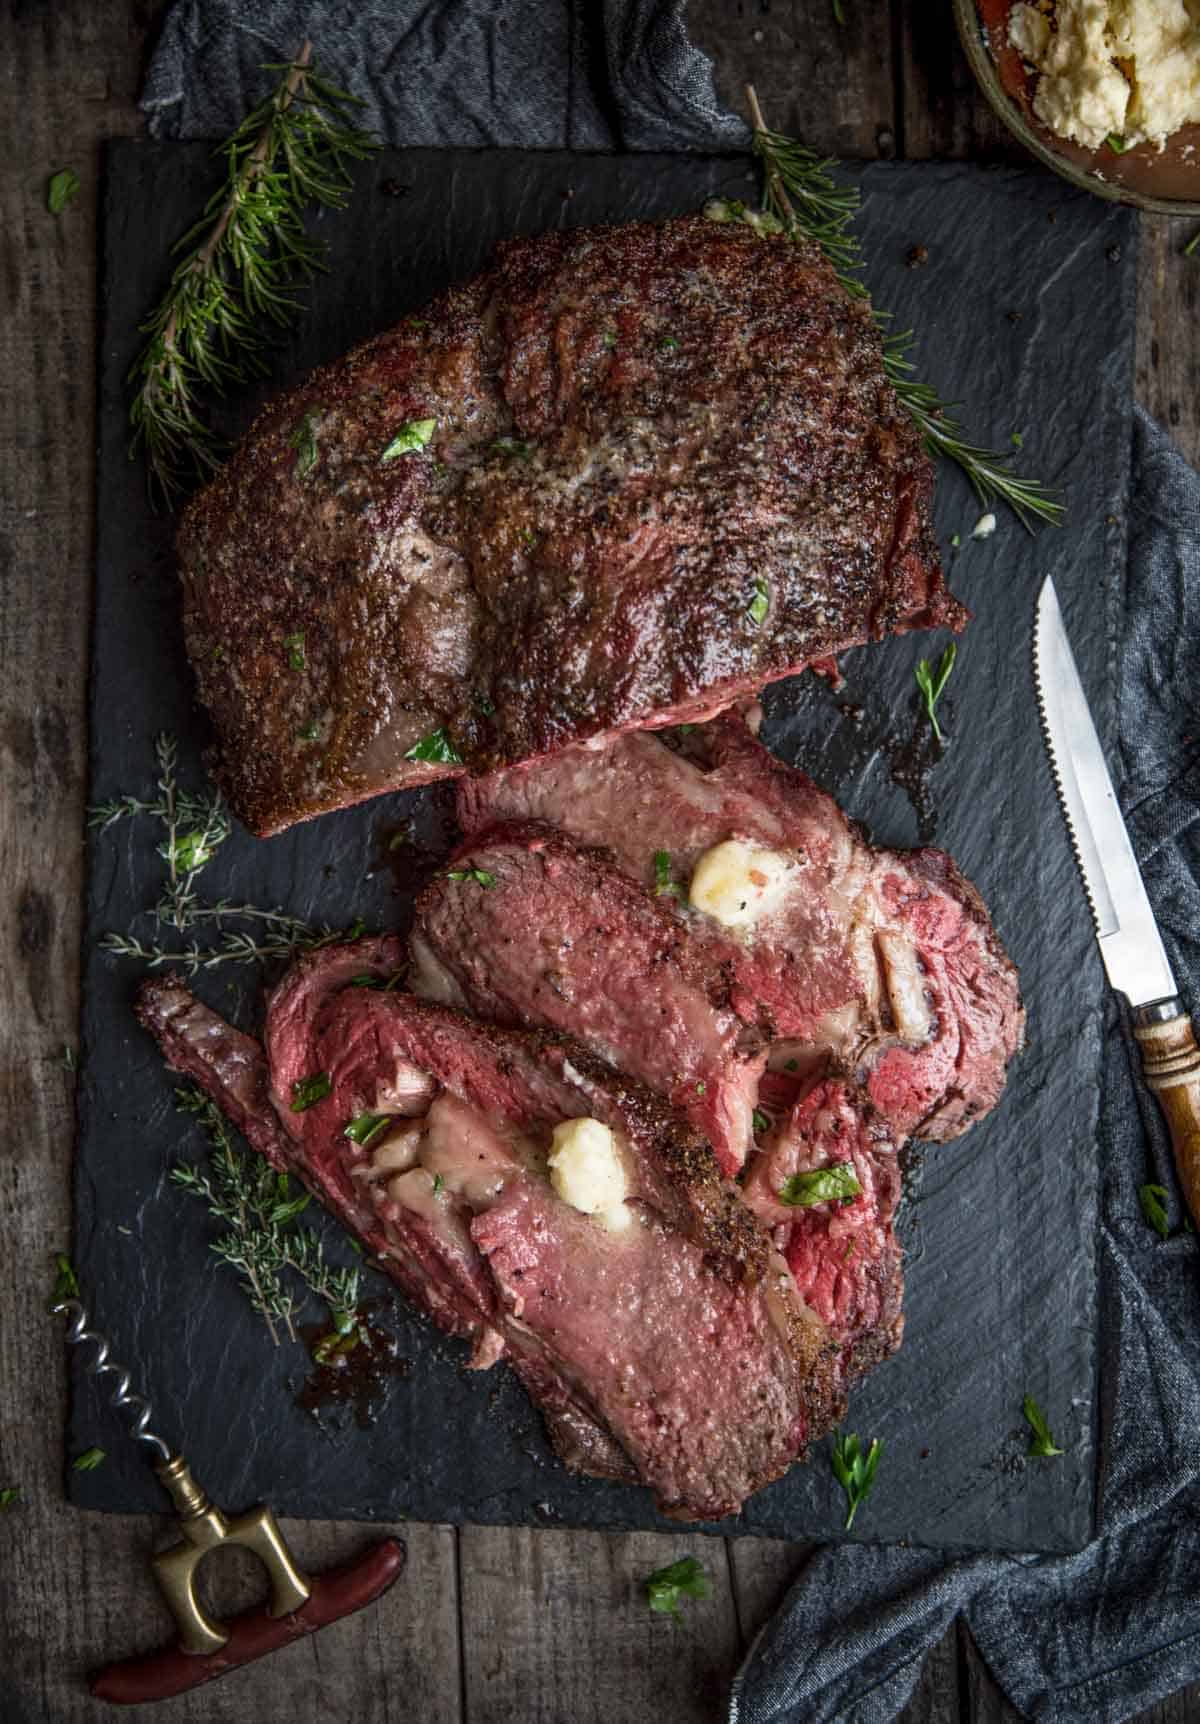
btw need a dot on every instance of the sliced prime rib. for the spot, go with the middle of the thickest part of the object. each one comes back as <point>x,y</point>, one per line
<point>882,961</point>
<point>622,479</point>
<point>524,928</point>
<point>674,1349</point>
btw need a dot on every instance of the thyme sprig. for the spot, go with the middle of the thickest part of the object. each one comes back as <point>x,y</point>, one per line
<point>261,1243</point>
<point>242,261</point>
<point>800,193</point>
<point>195,825</point>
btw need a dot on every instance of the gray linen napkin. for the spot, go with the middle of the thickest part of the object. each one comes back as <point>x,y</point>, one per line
<point>1092,1637</point>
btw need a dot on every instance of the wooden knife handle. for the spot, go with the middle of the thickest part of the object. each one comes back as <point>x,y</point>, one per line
<point>1171,1063</point>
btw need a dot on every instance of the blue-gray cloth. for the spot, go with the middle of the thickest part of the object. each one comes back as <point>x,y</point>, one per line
<point>1094,1637</point>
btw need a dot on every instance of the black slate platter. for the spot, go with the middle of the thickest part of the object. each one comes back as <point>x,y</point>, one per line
<point>1024,308</point>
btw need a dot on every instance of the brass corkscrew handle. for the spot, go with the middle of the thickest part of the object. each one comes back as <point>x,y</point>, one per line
<point>1171,1065</point>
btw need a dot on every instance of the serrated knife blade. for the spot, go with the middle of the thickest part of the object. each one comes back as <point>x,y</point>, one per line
<point>1126,931</point>
<point>1130,943</point>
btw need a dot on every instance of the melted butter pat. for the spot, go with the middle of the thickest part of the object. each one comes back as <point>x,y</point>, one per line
<point>737,883</point>
<point>587,1172</point>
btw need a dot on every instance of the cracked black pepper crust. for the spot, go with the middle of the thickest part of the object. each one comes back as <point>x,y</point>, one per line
<point>639,431</point>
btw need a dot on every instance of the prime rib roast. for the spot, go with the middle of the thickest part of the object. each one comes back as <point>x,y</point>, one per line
<point>563,970</point>
<point>624,478</point>
<point>632,1122</point>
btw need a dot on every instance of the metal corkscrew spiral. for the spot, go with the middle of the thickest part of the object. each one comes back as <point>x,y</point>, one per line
<point>103,1366</point>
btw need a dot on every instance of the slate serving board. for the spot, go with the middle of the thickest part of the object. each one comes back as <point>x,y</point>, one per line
<point>1025,313</point>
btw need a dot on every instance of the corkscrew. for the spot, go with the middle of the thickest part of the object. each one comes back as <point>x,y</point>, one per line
<point>299,1604</point>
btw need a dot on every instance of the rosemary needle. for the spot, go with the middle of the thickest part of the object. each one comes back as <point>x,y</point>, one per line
<point>800,192</point>
<point>241,261</point>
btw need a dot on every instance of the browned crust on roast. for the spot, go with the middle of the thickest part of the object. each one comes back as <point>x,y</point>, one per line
<point>704,408</point>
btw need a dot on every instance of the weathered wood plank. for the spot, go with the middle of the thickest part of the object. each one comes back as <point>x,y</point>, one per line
<point>556,1626</point>
<point>830,83</point>
<point>936,1698</point>
<point>941,111</point>
<point>762,1570</point>
<point>1168,356</point>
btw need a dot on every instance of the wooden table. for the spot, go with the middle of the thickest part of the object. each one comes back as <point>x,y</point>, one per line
<point>488,1624</point>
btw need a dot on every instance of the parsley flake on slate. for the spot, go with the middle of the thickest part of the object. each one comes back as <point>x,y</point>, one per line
<point>664,886</point>
<point>1153,1199</point>
<point>480,876</point>
<point>760,604</point>
<point>682,1579</point>
<point>62,189</point>
<point>822,1185</point>
<point>1043,1444</point>
<point>410,439</point>
<point>932,682</point>
<point>304,441</point>
<point>854,1470</point>
<point>89,1460</point>
<point>436,747</point>
<point>8,1496</point>
<point>293,646</point>
<point>365,1127</point>
<point>307,1091</point>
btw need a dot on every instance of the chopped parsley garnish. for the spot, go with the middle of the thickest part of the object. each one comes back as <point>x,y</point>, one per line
<point>304,441</point>
<point>480,876</point>
<point>66,1282</point>
<point>854,1470</point>
<point>609,338</point>
<point>1043,1444</point>
<point>8,1496</point>
<point>932,682</point>
<point>823,1185</point>
<point>436,747</point>
<point>438,1183</point>
<point>88,1461</point>
<point>63,188</point>
<point>664,886</point>
<point>1017,440</point>
<point>701,1087</point>
<point>310,732</point>
<point>760,1120</point>
<point>365,1127</point>
<point>417,322</point>
<point>1153,1199</point>
<point>511,446</point>
<point>528,536</point>
<point>193,850</point>
<point>760,604</point>
<point>293,646</point>
<point>792,1066</point>
<point>1116,143</point>
<point>410,439</point>
<point>383,983</point>
<point>668,344</point>
<point>667,1586</point>
<point>310,1090</point>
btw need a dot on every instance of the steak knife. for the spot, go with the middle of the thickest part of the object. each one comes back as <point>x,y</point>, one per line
<point>1128,936</point>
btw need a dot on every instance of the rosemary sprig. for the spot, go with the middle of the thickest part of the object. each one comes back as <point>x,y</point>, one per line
<point>242,261</point>
<point>800,193</point>
<point>258,1208</point>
